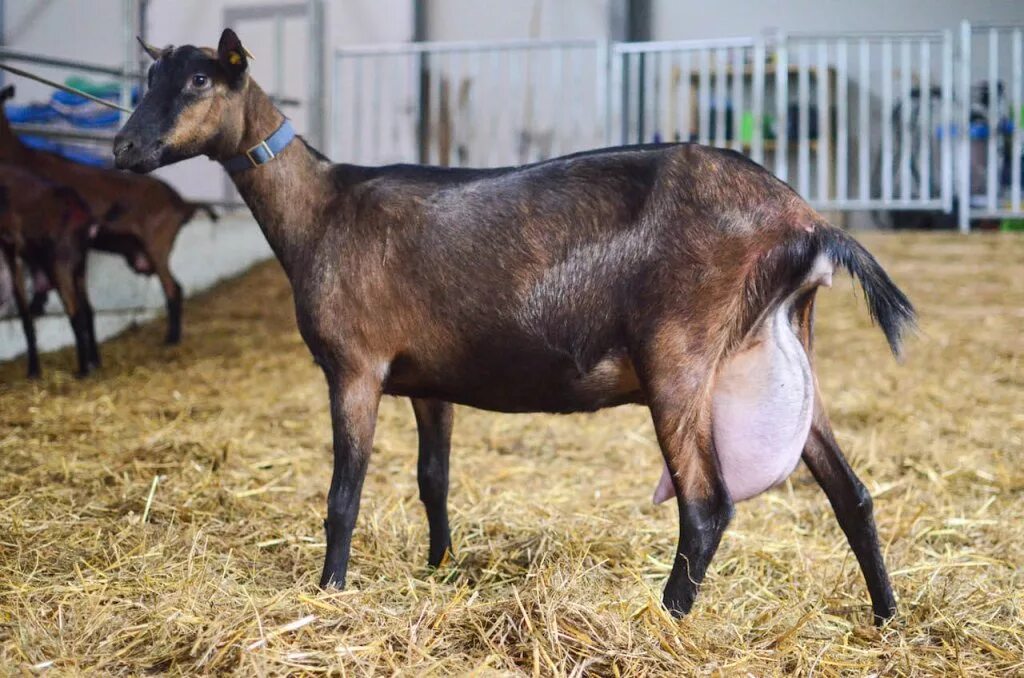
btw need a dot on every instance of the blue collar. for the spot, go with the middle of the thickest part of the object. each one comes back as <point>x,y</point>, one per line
<point>264,151</point>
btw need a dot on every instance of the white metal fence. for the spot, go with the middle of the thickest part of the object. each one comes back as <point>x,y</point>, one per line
<point>991,108</point>
<point>458,104</point>
<point>856,121</point>
<point>852,121</point>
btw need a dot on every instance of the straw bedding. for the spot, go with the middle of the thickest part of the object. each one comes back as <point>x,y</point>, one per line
<point>165,515</point>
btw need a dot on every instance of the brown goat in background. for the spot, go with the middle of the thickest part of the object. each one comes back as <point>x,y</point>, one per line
<point>47,228</point>
<point>139,216</point>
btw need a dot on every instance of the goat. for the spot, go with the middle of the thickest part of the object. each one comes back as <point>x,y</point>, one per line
<point>678,276</point>
<point>48,228</point>
<point>139,216</point>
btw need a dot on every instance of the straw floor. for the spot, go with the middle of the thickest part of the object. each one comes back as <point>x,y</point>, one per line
<point>165,515</point>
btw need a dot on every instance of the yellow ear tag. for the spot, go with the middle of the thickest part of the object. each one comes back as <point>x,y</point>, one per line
<point>235,58</point>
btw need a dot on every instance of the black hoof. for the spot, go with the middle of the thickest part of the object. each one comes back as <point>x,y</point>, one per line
<point>330,583</point>
<point>882,617</point>
<point>678,603</point>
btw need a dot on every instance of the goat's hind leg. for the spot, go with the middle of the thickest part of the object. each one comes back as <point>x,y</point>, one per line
<point>850,500</point>
<point>434,423</point>
<point>852,504</point>
<point>679,387</point>
<point>77,314</point>
<point>82,291</point>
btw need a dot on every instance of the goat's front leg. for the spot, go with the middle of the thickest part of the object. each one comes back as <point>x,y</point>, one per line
<point>853,508</point>
<point>434,423</point>
<point>679,394</point>
<point>354,398</point>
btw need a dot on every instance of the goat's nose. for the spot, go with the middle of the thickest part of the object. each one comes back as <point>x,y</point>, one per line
<point>122,145</point>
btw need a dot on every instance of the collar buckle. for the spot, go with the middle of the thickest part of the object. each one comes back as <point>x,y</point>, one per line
<point>266,154</point>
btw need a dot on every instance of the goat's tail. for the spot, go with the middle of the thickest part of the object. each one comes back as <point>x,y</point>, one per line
<point>889,307</point>
<point>205,207</point>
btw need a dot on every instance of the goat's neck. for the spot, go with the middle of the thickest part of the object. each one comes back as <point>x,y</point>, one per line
<point>285,194</point>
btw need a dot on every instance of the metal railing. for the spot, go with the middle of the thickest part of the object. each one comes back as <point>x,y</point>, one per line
<point>853,121</point>
<point>470,103</point>
<point>992,111</point>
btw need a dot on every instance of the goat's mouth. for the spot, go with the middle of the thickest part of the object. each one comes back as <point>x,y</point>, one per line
<point>138,158</point>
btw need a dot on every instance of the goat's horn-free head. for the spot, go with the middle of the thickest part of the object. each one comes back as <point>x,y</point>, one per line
<point>192,106</point>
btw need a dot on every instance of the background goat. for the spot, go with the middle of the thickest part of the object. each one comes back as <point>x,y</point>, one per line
<point>139,216</point>
<point>48,227</point>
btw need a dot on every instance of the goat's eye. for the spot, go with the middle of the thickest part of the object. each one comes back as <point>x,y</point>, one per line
<point>199,81</point>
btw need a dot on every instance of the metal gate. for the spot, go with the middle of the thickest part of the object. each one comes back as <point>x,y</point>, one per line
<point>855,121</point>
<point>480,104</point>
<point>858,121</point>
<point>992,111</point>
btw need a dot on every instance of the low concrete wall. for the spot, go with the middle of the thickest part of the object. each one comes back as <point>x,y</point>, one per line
<point>204,254</point>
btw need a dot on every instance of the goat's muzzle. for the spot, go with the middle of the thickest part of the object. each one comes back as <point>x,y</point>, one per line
<point>132,153</point>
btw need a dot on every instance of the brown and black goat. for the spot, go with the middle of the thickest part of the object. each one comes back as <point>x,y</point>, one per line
<point>47,228</point>
<point>139,216</point>
<point>677,276</point>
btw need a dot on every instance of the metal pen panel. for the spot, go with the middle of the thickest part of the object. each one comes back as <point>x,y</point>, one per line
<point>357,110</point>
<point>887,122</point>
<point>782,112</point>
<point>558,104</point>
<point>842,124</point>
<point>925,122</point>
<point>864,123</point>
<point>1017,113</point>
<point>686,96</point>
<point>824,123</point>
<point>991,160</point>
<point>904,108</point>
<point>615,96</point>
<point>737,98</point>
<point>757,142</point>
<point>964,164</point>
<point>375,110</point>
<point>704,99</point>
<point>721,60</point>
<point>803,123</point>
<point>947,121</point>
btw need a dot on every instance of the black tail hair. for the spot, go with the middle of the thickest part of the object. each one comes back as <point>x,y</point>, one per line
<point>206,207</point>
<point>889,307</point>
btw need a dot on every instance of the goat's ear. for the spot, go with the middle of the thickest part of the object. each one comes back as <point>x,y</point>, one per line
<point>232,55</point>
<point>6,93</point>
<point>153,52</point>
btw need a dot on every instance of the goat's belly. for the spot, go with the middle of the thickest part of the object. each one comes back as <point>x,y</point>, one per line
<point>761,412</point>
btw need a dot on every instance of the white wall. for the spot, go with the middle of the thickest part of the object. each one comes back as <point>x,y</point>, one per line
<point>686,19</point>
<point>518,19</point>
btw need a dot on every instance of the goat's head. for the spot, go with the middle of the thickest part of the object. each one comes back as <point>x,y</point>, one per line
<point>194,105</point>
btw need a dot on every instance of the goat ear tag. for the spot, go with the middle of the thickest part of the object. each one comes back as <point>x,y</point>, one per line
<point>235,58</point>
